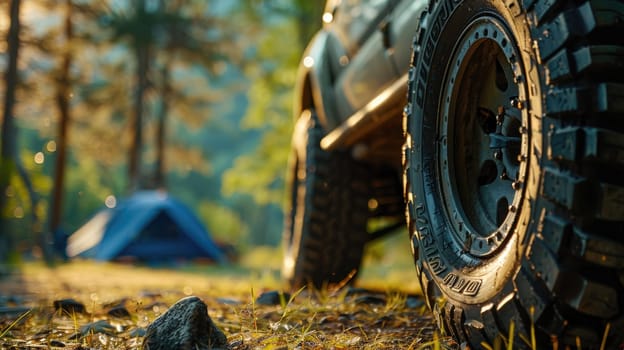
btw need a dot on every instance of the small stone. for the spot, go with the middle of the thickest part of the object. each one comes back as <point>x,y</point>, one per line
<point>119,311</point>
<point>355,291</point>
<point>370,300</point>
<point>228,301</point>
<point>12,311</point>
<point>185,326</point>
<point>273,297</point>
<point>414,302</point>
<point>137,332</point>
<point>57,343</point>
<point>100,326</point>
<point>69,306</point>
<point>150,294</point>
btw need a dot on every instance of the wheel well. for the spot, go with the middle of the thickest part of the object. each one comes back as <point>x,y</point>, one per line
<point>305,99</point>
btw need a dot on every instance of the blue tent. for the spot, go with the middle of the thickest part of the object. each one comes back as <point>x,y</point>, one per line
<point>148,226</point>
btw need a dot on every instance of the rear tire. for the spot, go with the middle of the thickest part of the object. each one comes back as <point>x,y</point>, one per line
<point>325,226</point>
<point>513,166</point>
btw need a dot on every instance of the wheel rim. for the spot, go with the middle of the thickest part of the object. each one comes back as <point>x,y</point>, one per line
<point>483,140</point>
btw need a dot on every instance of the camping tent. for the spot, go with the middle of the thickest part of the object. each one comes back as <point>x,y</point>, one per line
<point>148,226</point>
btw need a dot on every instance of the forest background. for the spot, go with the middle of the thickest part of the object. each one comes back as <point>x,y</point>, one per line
<point>105,97</point>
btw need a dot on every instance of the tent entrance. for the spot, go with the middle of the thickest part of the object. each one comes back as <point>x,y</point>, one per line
<point>161,240</point>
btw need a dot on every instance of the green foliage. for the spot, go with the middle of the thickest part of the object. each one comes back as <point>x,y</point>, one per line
<point>227,97</point>
<point>259,175</point>
<point>271,96</point>
<point>224,224</point>
<point>21,216</point>
<point>41,182</point>
<point>12,208</point>
<point>88,185</point>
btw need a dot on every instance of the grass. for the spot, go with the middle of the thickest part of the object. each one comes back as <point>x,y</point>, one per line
<point>10,326</point>
<point>372,319</point>
<point>377,317</point>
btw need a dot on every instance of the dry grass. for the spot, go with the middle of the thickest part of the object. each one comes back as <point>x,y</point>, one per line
<point>384,319</point>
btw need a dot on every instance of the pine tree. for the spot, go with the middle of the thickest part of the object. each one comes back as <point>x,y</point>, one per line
<point>8,151</point>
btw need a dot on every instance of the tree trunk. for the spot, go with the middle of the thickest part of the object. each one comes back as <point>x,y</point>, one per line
<point>159,177</point>
<point>8,142</point>
<point>62,103</point>
<point>136,147</point>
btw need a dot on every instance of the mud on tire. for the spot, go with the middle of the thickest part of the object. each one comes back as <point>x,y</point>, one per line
<point>513,166</point>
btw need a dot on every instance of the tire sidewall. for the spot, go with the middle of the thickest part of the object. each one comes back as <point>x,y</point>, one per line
<point>301,193</point>
<point>461,277</point>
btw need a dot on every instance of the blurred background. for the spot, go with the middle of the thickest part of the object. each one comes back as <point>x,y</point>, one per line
<point>104,98</point>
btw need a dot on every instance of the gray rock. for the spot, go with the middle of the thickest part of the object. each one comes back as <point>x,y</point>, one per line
<point>137,332</point>
<point>414,302</point>
<point>273,297</point>
<point>97,327</point>
<point>119,311</point>
<point>13,311</point>
<point>56,344</point>
<point>185,326</point>
<point>370,300</point>
<point>101,326</point>
<point>69,306</point>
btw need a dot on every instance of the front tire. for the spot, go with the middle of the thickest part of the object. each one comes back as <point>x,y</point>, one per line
<point>514,133</point>
<point>325,227</point>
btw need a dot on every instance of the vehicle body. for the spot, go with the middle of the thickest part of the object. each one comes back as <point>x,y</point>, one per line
<point>496,129</point>
<point>353,76</point>
<point>355,72</point>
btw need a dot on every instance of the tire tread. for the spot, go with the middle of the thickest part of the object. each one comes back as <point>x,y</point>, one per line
<point>580,208</point>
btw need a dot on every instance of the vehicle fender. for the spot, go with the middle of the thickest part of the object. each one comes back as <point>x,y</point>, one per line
<point>313,87</point>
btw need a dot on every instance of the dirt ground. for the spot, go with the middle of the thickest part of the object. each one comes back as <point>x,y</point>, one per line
<point>381,317</point>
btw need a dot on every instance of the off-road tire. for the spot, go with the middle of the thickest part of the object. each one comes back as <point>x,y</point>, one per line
<point>325,225</point>
<point>537,249</point>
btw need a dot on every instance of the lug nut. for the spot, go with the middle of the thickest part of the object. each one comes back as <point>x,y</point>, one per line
<point>516,103</point>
